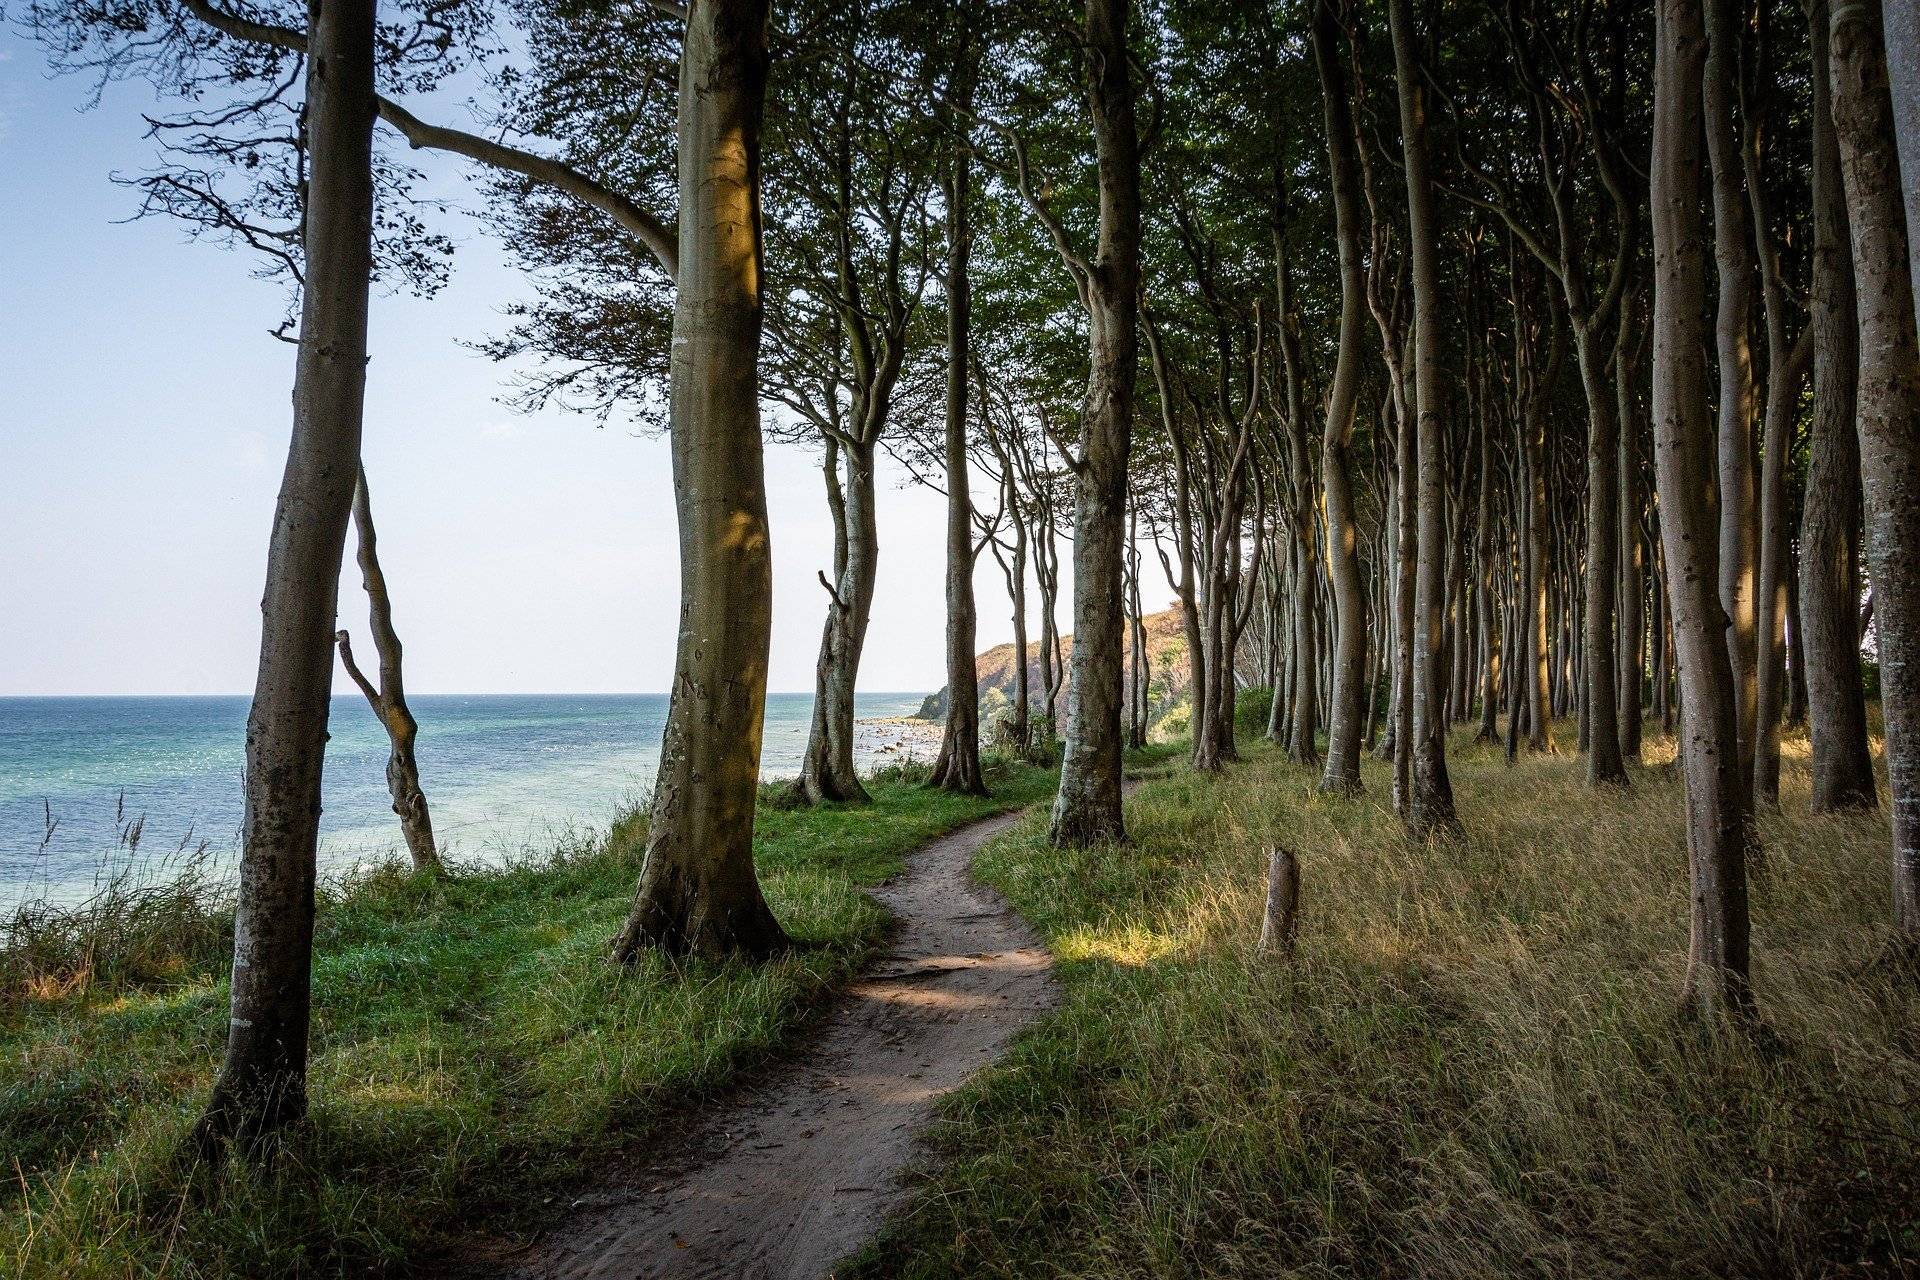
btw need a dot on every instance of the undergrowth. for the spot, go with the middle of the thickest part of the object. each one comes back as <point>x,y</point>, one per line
<point>473,1050</point>
<point>1474,1067</point>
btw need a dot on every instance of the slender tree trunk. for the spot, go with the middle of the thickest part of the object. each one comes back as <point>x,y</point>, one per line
<point>1889,415</point>
<point>827,772</point>
<point>1605,765</point>
<point>1733,253</point>
<point>1785,373</point>
<point>262,1084</point>
<point>1830,523</point>
<point>1718,825</point>
<point>958,766</point>
<point>1350,686</point>
<point>698,893</point>
<point>1087,808</point>
<point>1431,800</point>
<point>1633,569</point>
<point>389,699</point>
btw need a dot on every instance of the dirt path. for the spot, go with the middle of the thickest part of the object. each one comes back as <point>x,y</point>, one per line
<point>801,1172</point>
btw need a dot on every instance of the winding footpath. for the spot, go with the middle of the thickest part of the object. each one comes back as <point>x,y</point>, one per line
<point>800,1172</point>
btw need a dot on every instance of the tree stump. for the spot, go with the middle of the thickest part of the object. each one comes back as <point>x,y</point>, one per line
<point>1282,918</point>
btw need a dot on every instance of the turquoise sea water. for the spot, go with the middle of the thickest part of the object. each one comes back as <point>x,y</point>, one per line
<point>503,773</point>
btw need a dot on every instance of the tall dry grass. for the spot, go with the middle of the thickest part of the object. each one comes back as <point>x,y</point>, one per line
<point>1475,1067</point>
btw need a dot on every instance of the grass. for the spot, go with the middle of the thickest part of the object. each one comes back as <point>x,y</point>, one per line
<point>472,1052</point>
<point>1474,1067</point>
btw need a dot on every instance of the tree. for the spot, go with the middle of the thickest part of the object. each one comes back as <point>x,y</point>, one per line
<point>389,698</point>
<point>1718,820</point>
<point>1830,525</point>
<point>1430,807</point>
<point>698,893</point>
<point>1889,414</point>
<point>1087,808</point>
<point>1349,694</point>
<point>851,262</point>
<point>957,768</point>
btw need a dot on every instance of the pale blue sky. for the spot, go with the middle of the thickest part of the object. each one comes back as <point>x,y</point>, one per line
<point>143,421</point>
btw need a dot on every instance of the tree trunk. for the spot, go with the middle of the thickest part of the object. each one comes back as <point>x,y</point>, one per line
<point>1605,766</point>
<point>1718,826</point>
<point>389,699</point>
<point>1830,523</point>
<point>1430,809</point>
<point>958,766</point>
<point>698,893</point>
<point>1631,636</point>
<point>1087,808</point>
<point>1902,35</point>
<point>1350,686</point>
<point>262,1082</point>
<point>827,772</point>
<point>1733,254</point>
<point>1889,415</point>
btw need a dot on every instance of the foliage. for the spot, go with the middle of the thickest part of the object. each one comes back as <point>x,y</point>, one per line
<point>1251,708</point>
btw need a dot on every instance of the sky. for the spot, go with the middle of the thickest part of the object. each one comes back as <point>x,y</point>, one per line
<point>144,412</point>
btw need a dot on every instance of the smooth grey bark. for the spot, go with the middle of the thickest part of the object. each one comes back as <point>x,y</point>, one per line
<point>698,893</point>
<point>262,1084</point>
<point>1347,705</point>
<point>1842,765</point>
<point>1718,820</point>
<point>1889,414</point>
<point>1087,808</point>
<point>389,698</point>
<point>1734,257</point>
<point>1431,809</point>
<point>957,768</point>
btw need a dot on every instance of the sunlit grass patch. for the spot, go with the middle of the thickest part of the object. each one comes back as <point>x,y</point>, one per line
<point>1474,1065</point>
<point>472,1048</point>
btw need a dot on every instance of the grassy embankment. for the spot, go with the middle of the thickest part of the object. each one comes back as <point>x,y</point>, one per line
<point>472,1047</point>
<point>1473,1068</point>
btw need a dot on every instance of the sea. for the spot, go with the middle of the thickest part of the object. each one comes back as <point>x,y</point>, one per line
<point>96,787</point>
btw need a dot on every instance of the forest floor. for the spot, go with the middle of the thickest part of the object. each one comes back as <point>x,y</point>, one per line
<point>474,1054</point>
<point>1475,1065</point>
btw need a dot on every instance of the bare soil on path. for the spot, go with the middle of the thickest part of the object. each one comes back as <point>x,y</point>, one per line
<point>797,1171</point>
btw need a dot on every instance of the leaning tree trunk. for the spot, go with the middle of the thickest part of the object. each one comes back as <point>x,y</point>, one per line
<point>1889,415</point>
<point>1430,808</point>
<point>1718,821</point>
<point>1733,254</point>
<point>698,893</point>
<point>1350,689</point>
<point>262,1084</point>
<point>957,768</point>
<point>1087,808</point>
<point>389,699</point>
<point>1830,522</point>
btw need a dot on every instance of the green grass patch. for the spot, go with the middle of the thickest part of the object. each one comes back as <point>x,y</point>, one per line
<point>1474,1067</point>
<point>472,1051</point>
